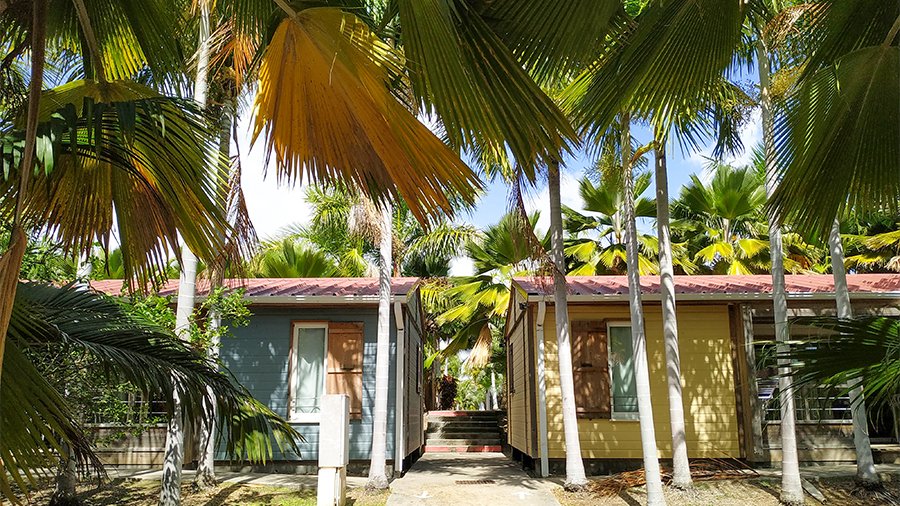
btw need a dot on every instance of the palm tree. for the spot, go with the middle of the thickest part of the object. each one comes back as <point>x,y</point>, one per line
<point>291,259</point>
<point>865,464</point>
<point>833,128</point>
<point>641,369</point>
<point>605,219</point>
<point>575,476</point>
<point>37,421</point>
<point>724,219</point>
<point>791,486</point>
<point>471,305</point>
<point>377,476</point>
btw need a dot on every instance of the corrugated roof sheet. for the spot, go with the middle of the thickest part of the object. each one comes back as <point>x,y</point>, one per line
<point>717,284</point>
<point>282,287</point>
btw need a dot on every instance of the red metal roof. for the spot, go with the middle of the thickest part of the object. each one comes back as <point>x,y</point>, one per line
<point>712,285</point>
<point>282,287</point>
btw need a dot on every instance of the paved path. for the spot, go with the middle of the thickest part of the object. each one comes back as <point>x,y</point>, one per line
<point>434,481</point>
<point>270,479</point>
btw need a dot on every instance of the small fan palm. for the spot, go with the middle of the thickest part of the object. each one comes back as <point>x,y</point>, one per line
<point>724,221</point>
<point>597,238</point>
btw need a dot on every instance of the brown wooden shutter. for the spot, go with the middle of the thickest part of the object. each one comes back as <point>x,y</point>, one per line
<point>345,363</point>
<point>591,369</point>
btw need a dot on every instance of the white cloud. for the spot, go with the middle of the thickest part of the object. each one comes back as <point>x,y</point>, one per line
<point>751,135</point>
<point>540,200</point>
<point>462,266</point>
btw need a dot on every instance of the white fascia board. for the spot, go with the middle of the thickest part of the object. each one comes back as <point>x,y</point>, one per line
<point>315,299</point>
<point>717,297</point>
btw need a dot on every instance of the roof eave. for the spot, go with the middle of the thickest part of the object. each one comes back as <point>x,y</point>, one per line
<point>714,297</point>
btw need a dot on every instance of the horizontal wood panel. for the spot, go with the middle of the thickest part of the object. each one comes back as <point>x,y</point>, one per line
<point>707,379</point>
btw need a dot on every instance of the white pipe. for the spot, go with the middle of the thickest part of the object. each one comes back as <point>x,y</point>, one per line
<point>542,392</point>
<point>400,390</point>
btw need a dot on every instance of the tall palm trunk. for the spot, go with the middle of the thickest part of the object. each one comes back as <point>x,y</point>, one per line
<point>11,260</point>
<point>865,463</point>
<point>641,368</point>
<point>791,486</point>
<point>170,494</point>
<point>206,469</point>
<point>377,475</point>
<point>681,476</point>
<point>575,477</point>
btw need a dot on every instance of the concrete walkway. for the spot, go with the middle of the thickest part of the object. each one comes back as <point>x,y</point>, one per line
<point>269,479</point>
<point>440,479</point>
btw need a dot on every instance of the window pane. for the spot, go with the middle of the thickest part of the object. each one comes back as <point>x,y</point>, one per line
<point>310,369</point>
<point>621,359</point>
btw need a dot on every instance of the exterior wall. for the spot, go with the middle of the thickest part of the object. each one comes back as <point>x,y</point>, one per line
<point>711,417</point>
<point>414,374</point>
<point>257,355</point>
<point>519,397</point>
<point>820,441</point>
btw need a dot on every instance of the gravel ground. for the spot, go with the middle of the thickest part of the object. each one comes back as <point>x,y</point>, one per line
<point>755,491</point>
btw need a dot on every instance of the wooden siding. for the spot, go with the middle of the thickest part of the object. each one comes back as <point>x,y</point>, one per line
<point>707,368</point>
<point>415,382</point>
<point>519,399</point>
<point>258,357</point>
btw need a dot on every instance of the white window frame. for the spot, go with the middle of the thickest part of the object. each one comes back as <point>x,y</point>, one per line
<point>613,414</point>
<point>293,416</point>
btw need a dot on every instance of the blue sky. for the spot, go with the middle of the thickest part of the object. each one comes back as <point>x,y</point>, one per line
<point>273,208</point>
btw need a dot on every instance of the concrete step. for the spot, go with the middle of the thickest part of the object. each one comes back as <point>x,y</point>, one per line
<point>461,437</point>
<point>462,427</point>
<point>447,434</point>
<point>458,415</point>
<point>462,442</point>
<point>463,449</point>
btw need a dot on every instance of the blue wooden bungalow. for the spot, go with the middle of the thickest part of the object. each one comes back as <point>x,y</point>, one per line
<point>312,336</point>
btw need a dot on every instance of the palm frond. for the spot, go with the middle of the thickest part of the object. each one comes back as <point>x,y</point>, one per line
<point>327,67</point>
<point>840,126</point>
<point>117,154</point>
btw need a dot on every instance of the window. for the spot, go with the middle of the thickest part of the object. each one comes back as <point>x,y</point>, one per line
<point>308,370</point>
<point>812,404</point>
<point>621,371</point>
<point>325,358</point>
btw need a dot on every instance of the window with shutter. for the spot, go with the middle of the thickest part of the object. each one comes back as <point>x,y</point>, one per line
<point>591,369</point>
<point>345,363</point>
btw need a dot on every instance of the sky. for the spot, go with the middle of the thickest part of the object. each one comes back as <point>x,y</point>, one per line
<point>273,207</point>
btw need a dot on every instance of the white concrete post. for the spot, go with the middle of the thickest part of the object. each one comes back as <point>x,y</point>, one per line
<point>334,450</point>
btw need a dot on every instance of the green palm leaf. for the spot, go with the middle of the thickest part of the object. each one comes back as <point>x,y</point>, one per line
<point>125,348</point>
<point>842,127</point>
<point>118,154</point>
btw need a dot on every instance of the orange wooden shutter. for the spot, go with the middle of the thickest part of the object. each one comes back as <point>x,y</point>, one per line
<point>591,369</point>
<point>345,363</point>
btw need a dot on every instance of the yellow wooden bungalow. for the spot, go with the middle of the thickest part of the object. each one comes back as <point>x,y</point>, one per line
<point>724,325</point>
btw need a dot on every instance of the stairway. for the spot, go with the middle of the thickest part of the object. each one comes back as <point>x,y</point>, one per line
<point>463,431</point>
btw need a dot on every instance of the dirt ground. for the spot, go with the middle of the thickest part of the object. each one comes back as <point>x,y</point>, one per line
<point>744,492</point>
<point>146,493</point>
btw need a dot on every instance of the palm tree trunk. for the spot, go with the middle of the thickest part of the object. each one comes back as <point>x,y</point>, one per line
<point>206,467</point>
<point>575,477</point>
<point>377,475</point>
<point>170,494</point>
<point>66,480</point>
<point>791,486</point>
<point>865,463</point>
<point>641,368</point>
<point>681,475</point>
<point>11,260</point>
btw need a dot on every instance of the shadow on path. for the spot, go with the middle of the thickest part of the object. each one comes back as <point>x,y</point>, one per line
<point>446,479</point>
